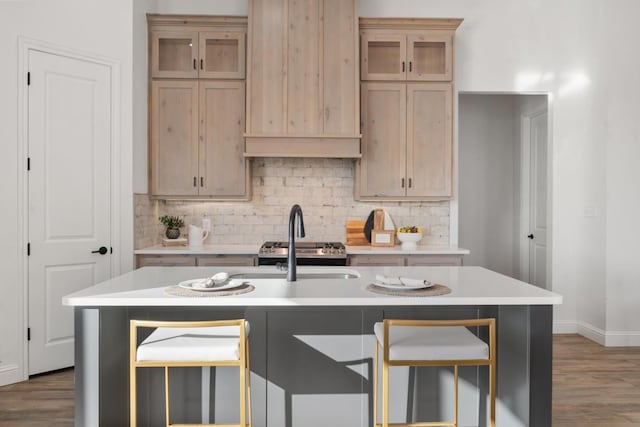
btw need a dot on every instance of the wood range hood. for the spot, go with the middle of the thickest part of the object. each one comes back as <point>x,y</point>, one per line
<point>303,93</point>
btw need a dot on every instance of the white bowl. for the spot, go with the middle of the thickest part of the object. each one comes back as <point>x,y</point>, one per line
<point>409,240</point>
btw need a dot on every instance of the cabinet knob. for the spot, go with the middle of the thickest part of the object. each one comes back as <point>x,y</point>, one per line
<point>402,183</point>
<point>403,66</point>
<point>530,236</point>
<point>409,182</point>
<point>195,181</point>
<point>195,67</point>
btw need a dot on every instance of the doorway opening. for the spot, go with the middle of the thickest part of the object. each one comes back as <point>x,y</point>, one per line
<point>504,183</point>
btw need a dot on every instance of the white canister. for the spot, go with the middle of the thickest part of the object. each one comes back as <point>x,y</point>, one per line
<point>197,236</point>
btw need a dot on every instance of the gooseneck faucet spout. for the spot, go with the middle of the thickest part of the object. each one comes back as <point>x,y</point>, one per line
<point>296,210</point>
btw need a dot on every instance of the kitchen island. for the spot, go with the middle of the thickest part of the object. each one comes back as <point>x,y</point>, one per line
<point>312,346</point>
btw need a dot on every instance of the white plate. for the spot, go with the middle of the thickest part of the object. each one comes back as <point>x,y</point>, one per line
<point>403,287</point>
<point>230,284</point>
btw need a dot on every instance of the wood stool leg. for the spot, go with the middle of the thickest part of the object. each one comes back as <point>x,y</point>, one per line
<point>132,396</point>
<point>385,394</point>
<point>375,388</point>
<point>243,390</point>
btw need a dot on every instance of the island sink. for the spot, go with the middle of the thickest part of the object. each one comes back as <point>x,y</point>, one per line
<point>303,273</point>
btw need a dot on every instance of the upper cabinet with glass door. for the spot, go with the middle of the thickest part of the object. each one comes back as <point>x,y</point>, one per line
<point>399,49</point>
<point>202,49</point>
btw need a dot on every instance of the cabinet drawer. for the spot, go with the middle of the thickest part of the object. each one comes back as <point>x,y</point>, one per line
<point>166,260</point>
<point>376,260</point>
<point>230,260</point>
<point>428,260</point>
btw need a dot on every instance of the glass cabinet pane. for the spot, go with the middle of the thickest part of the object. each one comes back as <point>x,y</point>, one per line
<point>384,57</point>
<point>222,54</point>
<point>429,57</point>
<point>175,54</point>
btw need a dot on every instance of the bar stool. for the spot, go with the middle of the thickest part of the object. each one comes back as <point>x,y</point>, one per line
<point>185,343</point>
<point>433,343</point>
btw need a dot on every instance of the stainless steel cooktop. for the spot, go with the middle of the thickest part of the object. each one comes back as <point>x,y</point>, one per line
<point>303,250</point>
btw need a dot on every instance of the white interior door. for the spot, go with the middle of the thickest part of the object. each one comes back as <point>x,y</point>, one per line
<point>69,147</point>
<point>538,201</point>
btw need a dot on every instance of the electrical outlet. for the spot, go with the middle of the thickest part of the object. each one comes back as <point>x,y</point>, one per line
<point>206,224</point>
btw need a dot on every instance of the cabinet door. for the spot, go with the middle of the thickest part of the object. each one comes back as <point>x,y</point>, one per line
<point>376,260</point>
<point>174,138</point>
<point>429,260</point>
<point>174,54</point>
<point>429,139</point>
<point>382,168</point>
<point>429,57</point>
<point>222,170</point>
<point>222,55</point>
<point>383,56</point>
<point>166,260</point>
<point>227,260</point>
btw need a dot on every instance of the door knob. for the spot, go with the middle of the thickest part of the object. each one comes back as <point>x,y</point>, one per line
<point>103,250</point>
<point>530,236</point>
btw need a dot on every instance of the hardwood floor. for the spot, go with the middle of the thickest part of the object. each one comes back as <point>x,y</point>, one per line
<point>595,385</point>
<point>43,401</point>
<point>592,386</point>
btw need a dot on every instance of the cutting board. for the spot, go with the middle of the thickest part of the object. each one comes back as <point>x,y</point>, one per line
<point>355,234</point>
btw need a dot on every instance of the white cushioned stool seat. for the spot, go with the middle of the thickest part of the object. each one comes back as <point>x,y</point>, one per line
<point>432,343</point>
<point>192,344</point>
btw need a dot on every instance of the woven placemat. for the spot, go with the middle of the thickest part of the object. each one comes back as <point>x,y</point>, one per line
<point>431,291</point>
<point>182,292</point>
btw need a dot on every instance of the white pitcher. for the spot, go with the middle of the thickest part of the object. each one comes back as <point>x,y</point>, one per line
<point>197,236</point>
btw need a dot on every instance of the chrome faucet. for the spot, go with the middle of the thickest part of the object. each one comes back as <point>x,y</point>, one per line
<point>296,210</point>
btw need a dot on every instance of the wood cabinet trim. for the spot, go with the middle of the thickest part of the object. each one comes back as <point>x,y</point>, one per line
<point>393,24</point>
<point>205,21</point>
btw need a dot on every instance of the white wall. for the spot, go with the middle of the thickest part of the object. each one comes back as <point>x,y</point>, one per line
<point>488,188</point>
<point>91,26</point>
<point>619,117</point>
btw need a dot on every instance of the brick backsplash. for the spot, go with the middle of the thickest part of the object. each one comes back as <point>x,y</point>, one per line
<point>322,187</point>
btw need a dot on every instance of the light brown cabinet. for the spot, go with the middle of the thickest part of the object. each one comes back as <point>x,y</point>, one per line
<point>196,260</point>
<point>407,142</point>
<point>414,57</point>
<point>197,54</point>
<point>407,121</point>
<point>411,49</point>
<point>197,108</point>
<point>302,80</point>
<point>196,139</point>
<point>405,260</point>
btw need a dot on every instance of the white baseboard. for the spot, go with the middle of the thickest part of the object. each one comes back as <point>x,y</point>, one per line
<point>602,337</point>
<point>565,327</point>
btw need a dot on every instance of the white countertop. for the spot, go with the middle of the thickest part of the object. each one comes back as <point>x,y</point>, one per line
<point>469,286</point>
<point>204,250</point>
<point>253,250</point>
